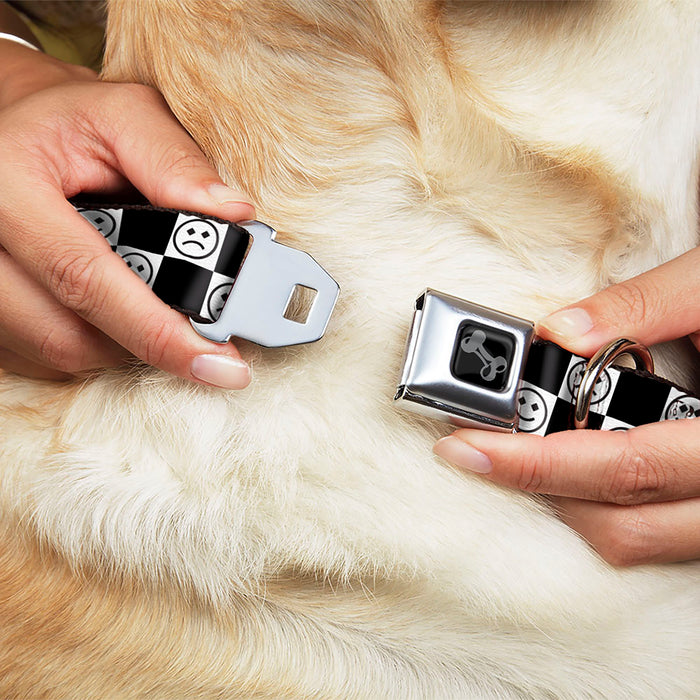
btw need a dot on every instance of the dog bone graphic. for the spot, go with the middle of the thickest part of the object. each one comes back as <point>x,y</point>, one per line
<point>474,345</point>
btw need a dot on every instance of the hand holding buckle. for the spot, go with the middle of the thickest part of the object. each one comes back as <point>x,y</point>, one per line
<point>234,275</point>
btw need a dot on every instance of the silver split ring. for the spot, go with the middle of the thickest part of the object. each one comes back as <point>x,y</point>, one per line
<point>596,366</point>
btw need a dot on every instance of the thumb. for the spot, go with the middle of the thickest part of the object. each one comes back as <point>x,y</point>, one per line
<point>163,162</point>
<point>659,305</point>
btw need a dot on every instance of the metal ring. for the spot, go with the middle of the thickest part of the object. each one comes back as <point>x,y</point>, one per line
<point>596,366</point>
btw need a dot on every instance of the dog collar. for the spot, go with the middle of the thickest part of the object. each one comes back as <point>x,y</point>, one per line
<point>476,367</point>
<point>230,279</point>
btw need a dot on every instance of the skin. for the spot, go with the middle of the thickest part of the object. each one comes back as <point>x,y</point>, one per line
<point>63,132</point>
<point>635,495</point>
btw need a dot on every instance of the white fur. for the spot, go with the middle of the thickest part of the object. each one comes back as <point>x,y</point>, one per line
<point>438,583</point>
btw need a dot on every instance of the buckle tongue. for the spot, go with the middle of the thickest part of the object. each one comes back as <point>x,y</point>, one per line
<point>257,302</point>
<point>464,362</point>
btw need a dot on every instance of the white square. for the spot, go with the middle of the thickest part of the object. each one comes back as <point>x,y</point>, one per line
<point>610,423</point>
<point>680,405</point>
<point>141,262</point>
<point>535,407</point>
<point>106,221</point>
<point>217,294</point>
<point>196,240</point>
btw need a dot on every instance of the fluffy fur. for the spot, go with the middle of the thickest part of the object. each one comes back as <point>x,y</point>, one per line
<point>298,539</point>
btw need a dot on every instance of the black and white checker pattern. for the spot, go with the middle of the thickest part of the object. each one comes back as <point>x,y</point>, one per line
<point>189,261</point>
<point>621,399</point>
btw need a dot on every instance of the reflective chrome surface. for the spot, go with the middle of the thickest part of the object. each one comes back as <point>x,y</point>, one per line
<point>428,385</point>
<point>256,304</point>
<point>596,366</point>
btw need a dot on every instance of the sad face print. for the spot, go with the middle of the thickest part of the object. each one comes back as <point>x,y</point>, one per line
<point>196,239</point>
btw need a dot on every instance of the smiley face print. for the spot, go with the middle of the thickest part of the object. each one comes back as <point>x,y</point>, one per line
<point>601,388</point>
<point>102,220</point>
<point>140,265</point>
<point>532,410</point>
<point>683,407</point>
<point>196,239</point>
<point>217,299</point>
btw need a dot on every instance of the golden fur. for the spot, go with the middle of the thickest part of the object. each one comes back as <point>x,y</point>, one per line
<point>298,539</point>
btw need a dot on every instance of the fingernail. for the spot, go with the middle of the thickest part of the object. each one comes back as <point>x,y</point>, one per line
<point>221,371</point>
<point>226,195</point>
<point>462,455</point>
<point>570,323</point>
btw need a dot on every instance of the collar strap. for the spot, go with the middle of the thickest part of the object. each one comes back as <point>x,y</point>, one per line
<point>230,279</point>
<point>476,367</point>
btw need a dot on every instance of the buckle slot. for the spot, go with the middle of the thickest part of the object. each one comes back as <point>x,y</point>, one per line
<point>256,306</point>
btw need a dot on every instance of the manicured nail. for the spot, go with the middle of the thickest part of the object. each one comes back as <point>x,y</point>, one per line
<point>570,323</point>
<point>221,371</point>
<point>462,455</point>
<point>226,195</point>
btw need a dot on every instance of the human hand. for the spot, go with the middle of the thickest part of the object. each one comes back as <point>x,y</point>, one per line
<point>67,303</point>
<point>635,495</point>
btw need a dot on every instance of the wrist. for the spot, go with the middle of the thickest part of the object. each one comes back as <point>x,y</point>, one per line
<point>24,71</point>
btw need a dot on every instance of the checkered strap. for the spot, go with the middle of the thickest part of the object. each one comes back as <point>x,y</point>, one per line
<point>188,260</point>
<point>622,398</point>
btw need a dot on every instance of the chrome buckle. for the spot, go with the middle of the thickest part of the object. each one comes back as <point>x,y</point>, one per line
<point>262,290</point>
<point>464,362</point>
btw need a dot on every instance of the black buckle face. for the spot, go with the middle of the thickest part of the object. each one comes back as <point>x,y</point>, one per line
<point>464,362</point>
<point>483,356</point>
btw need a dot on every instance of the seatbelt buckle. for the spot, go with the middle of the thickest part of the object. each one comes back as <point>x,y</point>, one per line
<point>464,363</point>
<point>257,303</point>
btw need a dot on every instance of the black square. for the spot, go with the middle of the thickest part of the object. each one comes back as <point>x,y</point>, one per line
<point>181,284</point>
<point>560,417</point>
<point>638,399</point>
<point>147,230</point>
<point>233,250</point>
<point>595,420</point>
<point>483,356</point>
<point>547,365</point>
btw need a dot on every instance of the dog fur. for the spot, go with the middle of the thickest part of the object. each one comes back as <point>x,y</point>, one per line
<point>298,538</point>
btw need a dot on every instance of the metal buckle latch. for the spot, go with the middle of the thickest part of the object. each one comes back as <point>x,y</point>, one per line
<point>259,297</point>
<point>464,362</point>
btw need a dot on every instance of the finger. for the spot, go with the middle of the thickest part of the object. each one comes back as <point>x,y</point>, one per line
<point>654,462</point>
<point>77,266</point>
<point>16,364</point>
<point>659,305</point>
<point>628,535</point>
<point>160,158</point>
<point>34,325</point>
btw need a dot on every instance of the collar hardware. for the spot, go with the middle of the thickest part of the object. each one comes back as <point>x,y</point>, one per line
<point>464,362</point>
<point>232,280</point>
<point>478,368</point>
<point>256,305</point>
